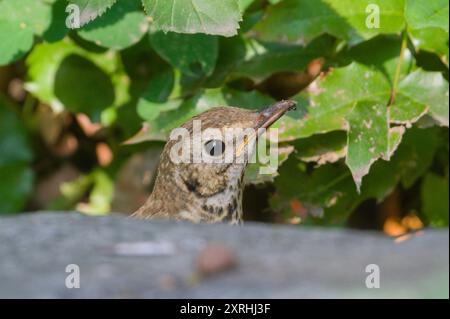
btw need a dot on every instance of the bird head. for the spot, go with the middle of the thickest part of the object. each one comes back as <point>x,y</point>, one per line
<point>202,165</point>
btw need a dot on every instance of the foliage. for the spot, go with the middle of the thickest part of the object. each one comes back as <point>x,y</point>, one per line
<point>375,119</point>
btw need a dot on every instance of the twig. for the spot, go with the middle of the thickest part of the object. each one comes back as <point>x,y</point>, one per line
<point>399,67</point>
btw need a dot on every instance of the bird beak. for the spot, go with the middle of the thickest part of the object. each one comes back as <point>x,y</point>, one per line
<point>266,118</point>
<point>271,114</point>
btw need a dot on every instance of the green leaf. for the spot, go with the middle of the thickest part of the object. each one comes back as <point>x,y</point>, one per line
<point>300,21</point>
<point>244,4</point>
<point>250,58</point>
<point>149,111</point>
<point>16,176</point>
<point>91,9</point>
<point>34,15</point>
<point>368,137</point>
<point>427,89</point>
<point>16,186</point>
<point>395,138</point>
<point>57,30</point>
<point>264,59</point>
<point>101,195</point>
<point>254,174</point>
<point>435,199</point>
<point>433,40</point>
<point>412,159</point>
<point>13,48</point>
<point>323,188</point>
<point>330,188</point>
<point>425,14</point>
<point>217,17</point>
<point>19,21</point>
<point>232,51</point>
<point>71,192</point>
<point>13,141</point>
<point>407,111</point>
<point>385,60</point>
<point>331,98</point>
<point>322,148</point>
<point>47,60</point>
<point>98,184</point>
<point>415,155</point>
<point>154,100</point>
<point>90,96</point>
<point>193,55</point>
<point>122,26</point>
<point>42,65</point>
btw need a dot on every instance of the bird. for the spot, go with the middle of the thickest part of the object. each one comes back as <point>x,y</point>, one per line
<point>209,192</point>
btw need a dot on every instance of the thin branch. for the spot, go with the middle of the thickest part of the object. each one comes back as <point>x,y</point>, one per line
<point>399,67</point>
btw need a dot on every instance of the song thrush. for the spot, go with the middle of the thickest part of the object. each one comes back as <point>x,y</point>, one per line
<point>208,192</point>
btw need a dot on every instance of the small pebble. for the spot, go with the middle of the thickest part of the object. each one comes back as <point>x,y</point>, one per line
<point>215,258</point>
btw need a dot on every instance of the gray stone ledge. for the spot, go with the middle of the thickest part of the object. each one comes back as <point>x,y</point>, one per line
<point>272,261</point>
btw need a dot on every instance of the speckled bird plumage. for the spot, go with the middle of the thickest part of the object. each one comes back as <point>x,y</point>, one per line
<point>203,192</point>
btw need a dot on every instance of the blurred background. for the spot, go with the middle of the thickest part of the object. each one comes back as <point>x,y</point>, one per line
<point>84,113</point>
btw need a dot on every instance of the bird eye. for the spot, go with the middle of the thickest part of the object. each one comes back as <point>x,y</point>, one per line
<point>214,147</point>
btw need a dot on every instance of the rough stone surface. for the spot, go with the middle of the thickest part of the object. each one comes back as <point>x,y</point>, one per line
<point>124,258</point>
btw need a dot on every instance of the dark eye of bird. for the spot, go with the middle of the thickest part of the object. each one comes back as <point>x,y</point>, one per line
<point>215,147</point>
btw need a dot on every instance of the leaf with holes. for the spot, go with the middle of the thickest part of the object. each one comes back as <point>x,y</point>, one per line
<point>368,137</point>
<point>330,189</point>
<point>331,98</point>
